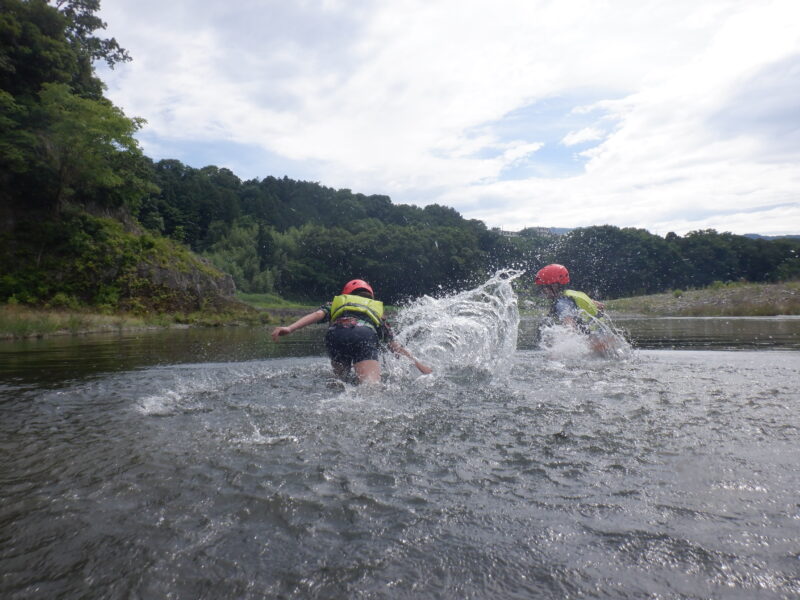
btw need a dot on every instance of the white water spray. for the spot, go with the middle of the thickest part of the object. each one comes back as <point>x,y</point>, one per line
<point>470,331</point>
<point>606,340</point>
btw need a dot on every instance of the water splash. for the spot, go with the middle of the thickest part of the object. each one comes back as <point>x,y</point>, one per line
<point>606,341</point>
<point>560,341</point>
<point>471,332</point>
<point>185,390</point>
<point>178,396</point>
<point>611,341</point>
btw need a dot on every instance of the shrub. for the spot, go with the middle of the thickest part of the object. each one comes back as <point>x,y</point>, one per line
<point>107,296</point>
<point>62,300</point>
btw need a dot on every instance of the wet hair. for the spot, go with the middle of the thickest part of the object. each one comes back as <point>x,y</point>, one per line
<point>363,292</point>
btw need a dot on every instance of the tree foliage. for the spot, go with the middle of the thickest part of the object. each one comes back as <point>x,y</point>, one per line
<point>612,262</point>
<point>60,139</point>
<point>87,147</point>
<point>302,240</point>
<point>82,23</point>
<point>62,144</point>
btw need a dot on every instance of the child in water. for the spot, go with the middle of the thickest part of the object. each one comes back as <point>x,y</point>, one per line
<point>357,328</point>
<point>575,309</point>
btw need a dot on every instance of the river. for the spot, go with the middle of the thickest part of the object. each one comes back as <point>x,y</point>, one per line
<point>217,464</point>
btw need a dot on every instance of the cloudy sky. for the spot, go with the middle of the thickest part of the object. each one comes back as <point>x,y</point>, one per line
<point>668,115</point>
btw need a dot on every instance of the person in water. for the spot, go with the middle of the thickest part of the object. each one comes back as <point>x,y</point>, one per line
<point>572,308</point>
<point>356,332</point>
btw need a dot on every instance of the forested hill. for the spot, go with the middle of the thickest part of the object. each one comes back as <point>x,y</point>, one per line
<point>87,219</point>
<point>303,240</point>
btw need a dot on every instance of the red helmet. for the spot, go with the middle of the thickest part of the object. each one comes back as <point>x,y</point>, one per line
<point>357,284</point>
<point>552,274</point>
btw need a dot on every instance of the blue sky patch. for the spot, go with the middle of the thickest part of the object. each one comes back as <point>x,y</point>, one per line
<point>548,121</point>
<point>247,161</point>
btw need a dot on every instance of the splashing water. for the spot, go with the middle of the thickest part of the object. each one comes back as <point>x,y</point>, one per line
<point>606,341</point>
<point>560,341</point>
<point>613,341</point>
<point>670,476</point>
<point>474,331</point>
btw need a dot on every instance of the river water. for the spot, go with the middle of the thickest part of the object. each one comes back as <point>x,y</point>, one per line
<point>216,464</point>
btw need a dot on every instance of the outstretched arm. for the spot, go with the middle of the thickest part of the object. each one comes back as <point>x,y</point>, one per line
<point>398,349</point>
<point>310,318</point>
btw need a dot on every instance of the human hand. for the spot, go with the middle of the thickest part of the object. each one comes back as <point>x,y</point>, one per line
<point>424,369</point>
<point>279,331</point>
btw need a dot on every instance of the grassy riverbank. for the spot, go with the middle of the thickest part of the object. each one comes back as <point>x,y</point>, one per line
<point>734,299</point>
<point>272,301</point>
<point>722,299</point>
<point>18,321</point>
<point>24,322</point>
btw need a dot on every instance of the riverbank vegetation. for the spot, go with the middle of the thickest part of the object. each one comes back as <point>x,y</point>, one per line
<point>271,301</point>
<point>740,299</point>
<point>23,322</point>
<point>89,225</point>
<point>732,299</point>
<point>19,321</point>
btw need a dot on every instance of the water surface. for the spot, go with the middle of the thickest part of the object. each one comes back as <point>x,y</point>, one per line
<point>722,333</point>
<point>216,464</point>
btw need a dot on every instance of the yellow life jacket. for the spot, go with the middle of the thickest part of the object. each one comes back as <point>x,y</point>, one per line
<point>367,307</point>
<point>584,303</point>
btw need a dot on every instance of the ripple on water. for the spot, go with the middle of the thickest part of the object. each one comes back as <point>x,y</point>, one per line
<point>669,474</point>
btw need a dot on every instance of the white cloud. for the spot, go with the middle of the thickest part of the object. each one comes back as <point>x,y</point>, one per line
<point>520,150</point>
<point>587,134</point>
<point>412,99</point>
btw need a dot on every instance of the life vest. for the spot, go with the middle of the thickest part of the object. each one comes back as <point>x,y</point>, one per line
<point>585,304</point>
<point>366,307</point>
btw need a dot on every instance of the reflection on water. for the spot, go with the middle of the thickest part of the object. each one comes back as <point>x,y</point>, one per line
<point>212,463</point>
<point>728,333</point>
<point>62,358</point>
<point>715,332</point>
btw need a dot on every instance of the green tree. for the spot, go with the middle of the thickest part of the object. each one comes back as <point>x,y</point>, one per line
<point>708,256</point>
<point>788,270</point>
<point>16,142</point>
<point>610,262</point>
<point>60,139</point>
<point>85,147</point>
<point>33,48</point>
<point>81,25</point>
<point>236,252</point>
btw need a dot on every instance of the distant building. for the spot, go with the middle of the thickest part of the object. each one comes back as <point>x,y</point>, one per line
<point>540,231</point>
<point>509,234</point>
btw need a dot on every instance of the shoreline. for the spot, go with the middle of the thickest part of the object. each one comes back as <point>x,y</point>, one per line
<point>19,322</point>
<point>736,299</point>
